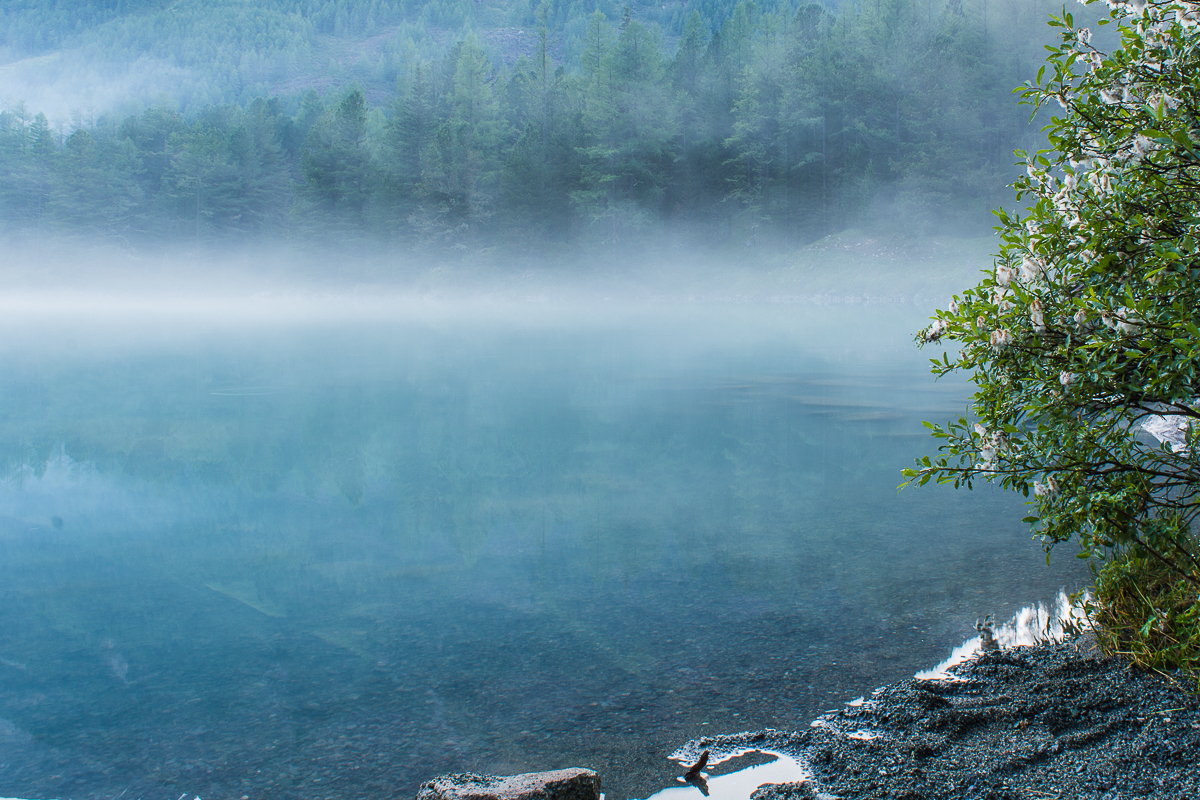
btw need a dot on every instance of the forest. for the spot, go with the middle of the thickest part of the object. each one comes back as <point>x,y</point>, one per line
<point>468,125</point>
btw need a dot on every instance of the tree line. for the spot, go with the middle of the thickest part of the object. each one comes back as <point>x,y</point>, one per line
<point>775,124</point>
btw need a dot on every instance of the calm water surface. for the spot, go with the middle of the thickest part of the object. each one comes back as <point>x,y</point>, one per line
<point>334,558</point>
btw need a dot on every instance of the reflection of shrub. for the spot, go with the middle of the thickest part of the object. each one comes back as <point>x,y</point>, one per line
<point>1084,342</point>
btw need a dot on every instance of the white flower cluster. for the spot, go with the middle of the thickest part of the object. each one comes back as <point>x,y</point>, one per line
<point>1000,296</point>
<point>1031,269</point>
<point>1158,16</point>
<point>1117,92</point>
<point>1132,85</point>
<point>1123,321</point>
<point>1036,318</point>
<point>1136,6</point>
<point>992,444</point>
<point>1047,489</point>
<point>1101,183</point>
<point>934,331</point>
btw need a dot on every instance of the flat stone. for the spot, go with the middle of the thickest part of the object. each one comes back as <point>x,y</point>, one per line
<point>559,784</point>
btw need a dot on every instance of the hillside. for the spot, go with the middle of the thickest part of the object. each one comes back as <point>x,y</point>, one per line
<point>454,125</point>
<point>81,57</point>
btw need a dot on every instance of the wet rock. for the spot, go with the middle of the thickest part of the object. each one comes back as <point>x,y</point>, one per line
<point>560,784</point>
<point>1055,720</point>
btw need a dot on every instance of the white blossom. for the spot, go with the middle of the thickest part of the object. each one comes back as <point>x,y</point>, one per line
<point>1128,322</point>
<point>989,457</point>
<point>1162,101</point>
<point>1000,295</point>
<point>934,331</point>
<point>1036,317</point>
<point>1001,338</point>
<point>1066,378</point>
<point>1047,489</point>
<point>1004,275</point>
<point>1031,269</point>
<point>990,447</point>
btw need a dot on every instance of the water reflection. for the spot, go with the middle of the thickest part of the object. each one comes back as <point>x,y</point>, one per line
<point>740,782</point>
<point>337,559</point>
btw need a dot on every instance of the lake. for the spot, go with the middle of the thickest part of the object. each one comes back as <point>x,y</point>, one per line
<point>335,548</point>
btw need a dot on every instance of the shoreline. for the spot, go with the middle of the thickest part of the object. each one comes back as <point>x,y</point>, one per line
<point>1040,721</point>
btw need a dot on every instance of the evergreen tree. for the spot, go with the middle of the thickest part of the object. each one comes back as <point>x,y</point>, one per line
<point>338,167</point>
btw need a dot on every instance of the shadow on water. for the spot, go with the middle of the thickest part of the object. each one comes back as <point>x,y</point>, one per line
<point>337,559</point>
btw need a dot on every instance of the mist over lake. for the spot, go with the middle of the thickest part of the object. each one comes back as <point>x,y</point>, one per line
<point>337,554</point>
<point>392,388</point>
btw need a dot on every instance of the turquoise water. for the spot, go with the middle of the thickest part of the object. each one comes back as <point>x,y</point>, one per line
<point>332,555</point>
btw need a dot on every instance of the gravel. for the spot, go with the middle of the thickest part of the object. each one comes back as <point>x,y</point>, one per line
<point>1049,721</point>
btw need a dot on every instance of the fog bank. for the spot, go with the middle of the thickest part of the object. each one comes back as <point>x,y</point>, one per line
<point>850,268</point>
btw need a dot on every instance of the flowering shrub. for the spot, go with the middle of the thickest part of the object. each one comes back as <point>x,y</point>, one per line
<point>1084,340</point>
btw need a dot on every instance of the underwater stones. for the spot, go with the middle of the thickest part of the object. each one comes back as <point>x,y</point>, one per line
<point>559,784</point>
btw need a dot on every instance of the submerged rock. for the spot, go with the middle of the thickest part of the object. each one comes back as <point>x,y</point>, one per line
<point>560,784</point>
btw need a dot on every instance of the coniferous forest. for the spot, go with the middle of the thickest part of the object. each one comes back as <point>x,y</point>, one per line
<point>455,124</point>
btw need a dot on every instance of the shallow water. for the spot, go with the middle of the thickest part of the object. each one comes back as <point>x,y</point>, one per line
<point>331,557</point>
<point>735,775</point>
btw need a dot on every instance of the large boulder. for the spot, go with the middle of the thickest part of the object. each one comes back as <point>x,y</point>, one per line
<point>559,784</point>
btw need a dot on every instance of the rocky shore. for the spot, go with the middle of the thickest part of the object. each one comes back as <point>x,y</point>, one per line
<point>1049,721</point>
